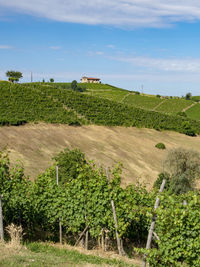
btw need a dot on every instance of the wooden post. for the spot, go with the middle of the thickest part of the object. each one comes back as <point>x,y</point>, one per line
<point>86,239</point>
<point>153,222</point>
<point>1,221</point>
<point>115,220</point>
<point>81,235</point>
<point>60,225</point>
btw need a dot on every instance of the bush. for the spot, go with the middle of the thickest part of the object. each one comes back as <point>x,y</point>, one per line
<point>160,146</point>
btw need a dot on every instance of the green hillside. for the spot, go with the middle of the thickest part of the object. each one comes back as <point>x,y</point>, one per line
<point>194,112</point>
<point>21,103</point>
<point>149,102</point>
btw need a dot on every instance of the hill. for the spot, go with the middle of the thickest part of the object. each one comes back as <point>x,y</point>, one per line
<point>34,145</point>
<point>167,105</point>
<point>22,103</point>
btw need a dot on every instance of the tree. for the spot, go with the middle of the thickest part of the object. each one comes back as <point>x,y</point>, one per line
<point>188,96</point>
<point>51,80</point>
<point>74,84</point>
<point>70,163</point>
<point>14,76</point>
<point>184,168</point>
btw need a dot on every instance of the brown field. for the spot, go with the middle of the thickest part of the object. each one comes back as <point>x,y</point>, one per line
<point>34,145</point>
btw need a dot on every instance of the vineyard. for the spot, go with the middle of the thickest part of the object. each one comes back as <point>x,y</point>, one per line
<point>20,104</point>
<point>35,103</point>
<point>82,200</point>
<point>149,102</point>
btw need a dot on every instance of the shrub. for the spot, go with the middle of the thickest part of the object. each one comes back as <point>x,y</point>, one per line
<point>160,146</point>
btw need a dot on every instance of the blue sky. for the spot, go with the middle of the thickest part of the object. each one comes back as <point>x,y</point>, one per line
<point>127,43</point>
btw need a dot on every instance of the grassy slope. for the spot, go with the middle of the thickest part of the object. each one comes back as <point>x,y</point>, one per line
<point>44,255</point>
<point>35,145</point>
<point>45,102</point>
<point>194,112</point>
<point>170,106</point>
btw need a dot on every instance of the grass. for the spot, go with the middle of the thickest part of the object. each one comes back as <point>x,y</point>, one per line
<point>145,102</point>
<point>174,106</point>
<point>194,112</point>
<point>115,96</point>
<point>45,255</point>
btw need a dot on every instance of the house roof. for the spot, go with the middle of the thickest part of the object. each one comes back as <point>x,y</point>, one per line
<point>90,78</point>
<point>93,78</point>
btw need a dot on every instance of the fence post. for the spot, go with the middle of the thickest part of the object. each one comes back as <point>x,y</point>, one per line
<point>115,220</point>
<point>60,225</point>
<point>153,222</point>
<point>1,221</point>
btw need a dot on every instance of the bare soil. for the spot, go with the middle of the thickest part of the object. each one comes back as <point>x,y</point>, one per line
<point>34,145</point>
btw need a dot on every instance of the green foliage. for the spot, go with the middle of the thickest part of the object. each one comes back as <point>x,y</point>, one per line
<point>140,101</point>
<point>82,200</point>
<point>182,114</point>
<point>178,228</point>
<point>51,80</point>
<point>74,85</point>
<point>21,103</point>
<point>173,106</point>
<point>161,177</point>
<point>184,167</point>
<point>194,112</point>
<point>13,76</point>
<point>188,129</point>
<point>160,146</point>
<point>195,98</point>
<point>188,96</point>
<point>70,163</point>
<point>35,102</point>
<point>85,200</point>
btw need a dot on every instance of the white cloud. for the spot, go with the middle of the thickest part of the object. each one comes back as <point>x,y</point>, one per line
<point>6,47</point>
<point>163,64</point>
<point>133,13</point>
<point>55,47</point>
<point>99,53</point>
<point>111,46</point>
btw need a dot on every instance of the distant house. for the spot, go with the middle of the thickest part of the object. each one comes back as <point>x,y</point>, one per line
<point>90,80</point>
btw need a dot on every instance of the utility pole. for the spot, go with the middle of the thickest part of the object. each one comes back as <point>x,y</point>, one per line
<point>142,87</point>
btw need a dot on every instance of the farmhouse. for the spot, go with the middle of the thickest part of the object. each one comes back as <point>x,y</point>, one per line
<point>90,80</point>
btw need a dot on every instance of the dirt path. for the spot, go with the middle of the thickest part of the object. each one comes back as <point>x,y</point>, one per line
<point>122,100</point>
<point>34,145</point>
<point>159,104</point>
<point>184,110</point>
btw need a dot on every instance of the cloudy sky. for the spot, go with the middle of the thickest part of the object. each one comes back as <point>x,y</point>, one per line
<point>134,44</point>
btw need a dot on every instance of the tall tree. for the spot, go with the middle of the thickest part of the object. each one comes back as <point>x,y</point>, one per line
<point>14,76</point>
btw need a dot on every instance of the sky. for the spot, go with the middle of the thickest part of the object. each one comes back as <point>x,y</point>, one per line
<point>151,46</point>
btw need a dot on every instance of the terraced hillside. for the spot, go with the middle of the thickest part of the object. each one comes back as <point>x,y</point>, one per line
<point>22,103</point>
<point>148,102</point>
